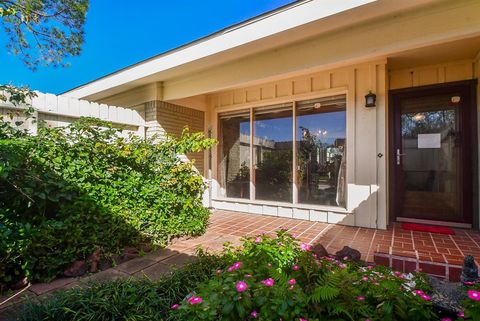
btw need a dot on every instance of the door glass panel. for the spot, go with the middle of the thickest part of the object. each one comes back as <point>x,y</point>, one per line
<point>273,127</point>
<point>431,160</point>
<point>321,161</point>
<point>235,154</point>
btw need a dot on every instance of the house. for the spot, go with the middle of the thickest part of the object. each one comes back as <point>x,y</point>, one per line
<point>285,95</point>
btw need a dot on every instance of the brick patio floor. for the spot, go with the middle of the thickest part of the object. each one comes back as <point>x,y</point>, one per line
<point>436,254</point>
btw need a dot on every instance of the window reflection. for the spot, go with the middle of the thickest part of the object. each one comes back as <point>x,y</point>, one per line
<point>273,153</point>
<point>235,154</point>
<point>321,161</point>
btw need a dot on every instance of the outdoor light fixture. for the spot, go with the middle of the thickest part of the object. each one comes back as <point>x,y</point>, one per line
<point>370,99</point>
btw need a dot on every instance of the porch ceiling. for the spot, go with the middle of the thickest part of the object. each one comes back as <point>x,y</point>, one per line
<point>451,51</point>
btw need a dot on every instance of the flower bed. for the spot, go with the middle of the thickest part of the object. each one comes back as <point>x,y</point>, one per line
<point>280,279</point>
<point>267,279</point>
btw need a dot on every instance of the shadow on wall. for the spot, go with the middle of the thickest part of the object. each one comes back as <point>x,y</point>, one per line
<point>172,119</point>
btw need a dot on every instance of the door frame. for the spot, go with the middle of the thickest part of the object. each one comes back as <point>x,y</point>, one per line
<point>469,159</point>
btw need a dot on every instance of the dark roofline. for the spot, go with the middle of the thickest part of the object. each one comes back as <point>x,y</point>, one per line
<point>225,30</point>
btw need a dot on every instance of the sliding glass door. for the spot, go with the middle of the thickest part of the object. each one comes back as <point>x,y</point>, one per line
<point>297,149</point>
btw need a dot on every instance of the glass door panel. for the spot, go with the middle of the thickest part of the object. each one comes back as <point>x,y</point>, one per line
<point>430,157</point>
<point>273,155</point>
<point>321,158</point>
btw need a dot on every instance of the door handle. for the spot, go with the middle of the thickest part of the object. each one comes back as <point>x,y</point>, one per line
<point>399,155</point>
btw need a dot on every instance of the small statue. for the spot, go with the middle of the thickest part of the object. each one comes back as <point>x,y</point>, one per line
<point>470,270</point>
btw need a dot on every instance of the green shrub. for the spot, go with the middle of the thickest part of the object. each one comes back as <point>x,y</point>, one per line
<point>274,279</point>
<point>68,191</point>
<point>125,299</point>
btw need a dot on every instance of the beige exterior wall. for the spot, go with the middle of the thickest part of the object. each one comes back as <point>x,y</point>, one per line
<point>366,179</point>
<point>433,74</point>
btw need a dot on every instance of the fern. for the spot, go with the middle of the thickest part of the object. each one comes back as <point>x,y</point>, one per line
<point>323,294</point>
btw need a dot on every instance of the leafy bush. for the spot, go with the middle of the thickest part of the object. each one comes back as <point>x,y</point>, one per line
<point>274,279</point>
<point>70,190</point>
<point>125,299</point>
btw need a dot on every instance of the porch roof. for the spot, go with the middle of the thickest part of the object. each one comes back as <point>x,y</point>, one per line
<point>292,23</point>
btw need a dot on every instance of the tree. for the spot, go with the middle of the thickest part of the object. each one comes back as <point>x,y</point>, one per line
<point>44,32</point>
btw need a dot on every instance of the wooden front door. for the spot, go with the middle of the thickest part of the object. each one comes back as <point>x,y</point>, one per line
<point>433,148</point>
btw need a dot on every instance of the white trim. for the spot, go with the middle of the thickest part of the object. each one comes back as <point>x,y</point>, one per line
<point>433,222</point>
<point>325,208</point>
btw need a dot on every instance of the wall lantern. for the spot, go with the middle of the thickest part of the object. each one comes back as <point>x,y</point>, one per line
<point>370,99</point>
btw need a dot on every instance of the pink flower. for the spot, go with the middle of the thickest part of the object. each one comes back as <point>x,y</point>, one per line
<point>258,239</point>
<point>397,273</point>
<point>474,295</point>
<point>294,235</point>
<point>305,247</point>
<point>296,267</point>
<point>241,286</point>
<point>419,292</point>
<point>195,300</point>
<point>426,297</point>
<point>292,281</point>
<point>360,298</point>
<point>461,314</point>
<point>292,287</point>
<point>248,276</point>
<point>302,319</point>
<point>370,267</point>
<point>235,266</point>
<point>219,271</point>
<point>175,306</point>
<point>342,266</point>
<point>469,283</point>
<point>365,278</point>
<point>254,314</point>
<point>268,282</point>
<point>445,319</point>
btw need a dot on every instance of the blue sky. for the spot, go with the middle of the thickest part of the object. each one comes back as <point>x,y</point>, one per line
<point>121,33</point>
<point>326,126</point>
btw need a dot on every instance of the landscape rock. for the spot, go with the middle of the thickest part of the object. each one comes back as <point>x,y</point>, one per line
<point>94,259</point>
<point>319,250</point>
<point>347,253</point>
<point>77,268</point>
<point>130,250</point>
<point>23,282</point>
<point>446,297</point>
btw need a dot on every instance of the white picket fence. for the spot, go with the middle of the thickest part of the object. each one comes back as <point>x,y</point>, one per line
<point>60,111</point>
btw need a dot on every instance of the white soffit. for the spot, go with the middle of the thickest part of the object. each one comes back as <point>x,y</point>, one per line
<point>278,21</point>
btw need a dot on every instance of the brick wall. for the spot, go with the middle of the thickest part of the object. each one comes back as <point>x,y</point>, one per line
<point>164,118</point>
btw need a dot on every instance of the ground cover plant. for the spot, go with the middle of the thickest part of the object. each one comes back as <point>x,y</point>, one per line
<point>138,299</point>
<point>73,190</point>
